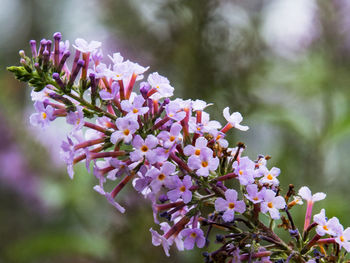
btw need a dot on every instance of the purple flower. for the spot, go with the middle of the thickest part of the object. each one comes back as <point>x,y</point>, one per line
<point>116,58</point>
<point>162,86</point>
<point>200,105</point>
<point>160,240</point>
<point>181,189</point>
<point>343,238</point>
<point>245,170</point>
<point>136,107</point>
<point>204,126</point>
<point>143,148</point>
<point>218,137</point>
<point>76,118</point>
<point>204,163</point>
<point>272,204</point>
<point>110,199</point>
<point>44,116</point>
<point>201,143</point>
<point>174,111</point>
<point>253,194</point>
<point>325,226</point>
<point>193,236</point>
<point>126,128</point>
<point>165,227</point>
<point>270,176</point>
<point>110,95</point>
<point>170,138</point>
<point>230,205</point>
<point>83,46</point>
<point>162,176</point>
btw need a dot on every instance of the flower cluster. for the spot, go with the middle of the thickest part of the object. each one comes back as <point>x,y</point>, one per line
<point>173,155</point>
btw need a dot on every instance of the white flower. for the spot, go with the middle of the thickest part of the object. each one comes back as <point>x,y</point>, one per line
<point>83,46</point>
<point>234,119</point>
<point>305,193</point>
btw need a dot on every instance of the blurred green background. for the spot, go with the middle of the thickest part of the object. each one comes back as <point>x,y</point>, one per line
<point>283,64</point>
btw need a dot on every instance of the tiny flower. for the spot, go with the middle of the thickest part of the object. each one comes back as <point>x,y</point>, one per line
<point>44,116</point>
<point>83,46</point>
<point>200,105</point>
<point>204,126</point>
<point>270,176</point>
<point>136,107</point>
<point>76,118</point>
<point>201,143</point>
<point>343,238</point>
<point>218,137</point>
<point>230,205</point>
<point>272,204</point>
<point>170,138</point>
<point>174,111</point>
<point>193,236</point>
<point>126,128</point>
<point>161,85</point>
<point>305,193</point>
<point>181,189</point>
<point>162,176</point>
<point>245,170</point>
<point>253,194</point>
<point>233,120</point>
<point>325,226</point>
<point>110,95</point>
<point>160,240</point>
<point>203,163</point>
<point>165,227</point>
<point>110,199</point>
<point>143,148</point>
<point>116,58</point>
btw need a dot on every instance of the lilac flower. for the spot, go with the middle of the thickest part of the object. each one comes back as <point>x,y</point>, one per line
<point>161,85</point>
<point>200,105</point>
<point>245,169</point>
<point>42,95</point>
<point>270,176</point>
<point>272,204</point>
<point>143,148</point>
<point>168,139</point>
<point>116,58</point>
<point>181,189</point>
<point>254,195</point>
<point>218,137</point>
<point>67,154</point>
<point>126,128</point>
<point>120,168</point>
<point>230,205</point>
<point>325,226</point>
<point>201,143</point>
<point>76,118</point>
<point>110,199</point>
<point>165,227</point>
<point>233,120</point>
<point>343,238</point>
<point>204,163</point>
<point>136,107</point>
<point>305,193</point>
<point>83,46</point>
<point>44,116</point>
<point>110,95</point>
<point>174,111</point>
<point>193,236</point>
<point>160,240</point>
<point>204,126</point>
<point>162,176</point>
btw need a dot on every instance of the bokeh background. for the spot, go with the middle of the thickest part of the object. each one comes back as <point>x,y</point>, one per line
<point>283,64</point>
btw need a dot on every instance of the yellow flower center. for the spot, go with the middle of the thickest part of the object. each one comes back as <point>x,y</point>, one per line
<point>44,115</point>
<point>157,87</point>
<point>255,198</point>
<point>126,132</point>
<point>240,172</point>
<point>269,176</point>
<point>197,152</point>
<point>193,235</point>
<point>172,138</point>
<point>183,188</point>
<point>204,163</point>
<point>325,228</point>
<point>342,238</point>
<point>161,177</point>
<point>118,75</point>
<point>270,204</point>
<point>135,110</point>
<point>144,148</point>
<point>231,205</point>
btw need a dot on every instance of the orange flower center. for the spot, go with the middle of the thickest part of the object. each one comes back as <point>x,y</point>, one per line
<point>325,228</point>
<point>204,163</point>
<point>193,235</point>
<point>341,238</point>
<point>231,205</point>
<point>269,176</point>
<point>172,138</point>
<point>197,152</point>
<point>270,205</point>
<point>44,115</point>
<point>255,198</point>
<point>183,188</point>
<point>135,110</point>
<point>240,172</point>
<point>144,148</point>
<point>161,177</point>
<point>126,132</point>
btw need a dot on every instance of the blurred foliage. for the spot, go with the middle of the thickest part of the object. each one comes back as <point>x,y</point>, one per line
<point>297,107</point>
